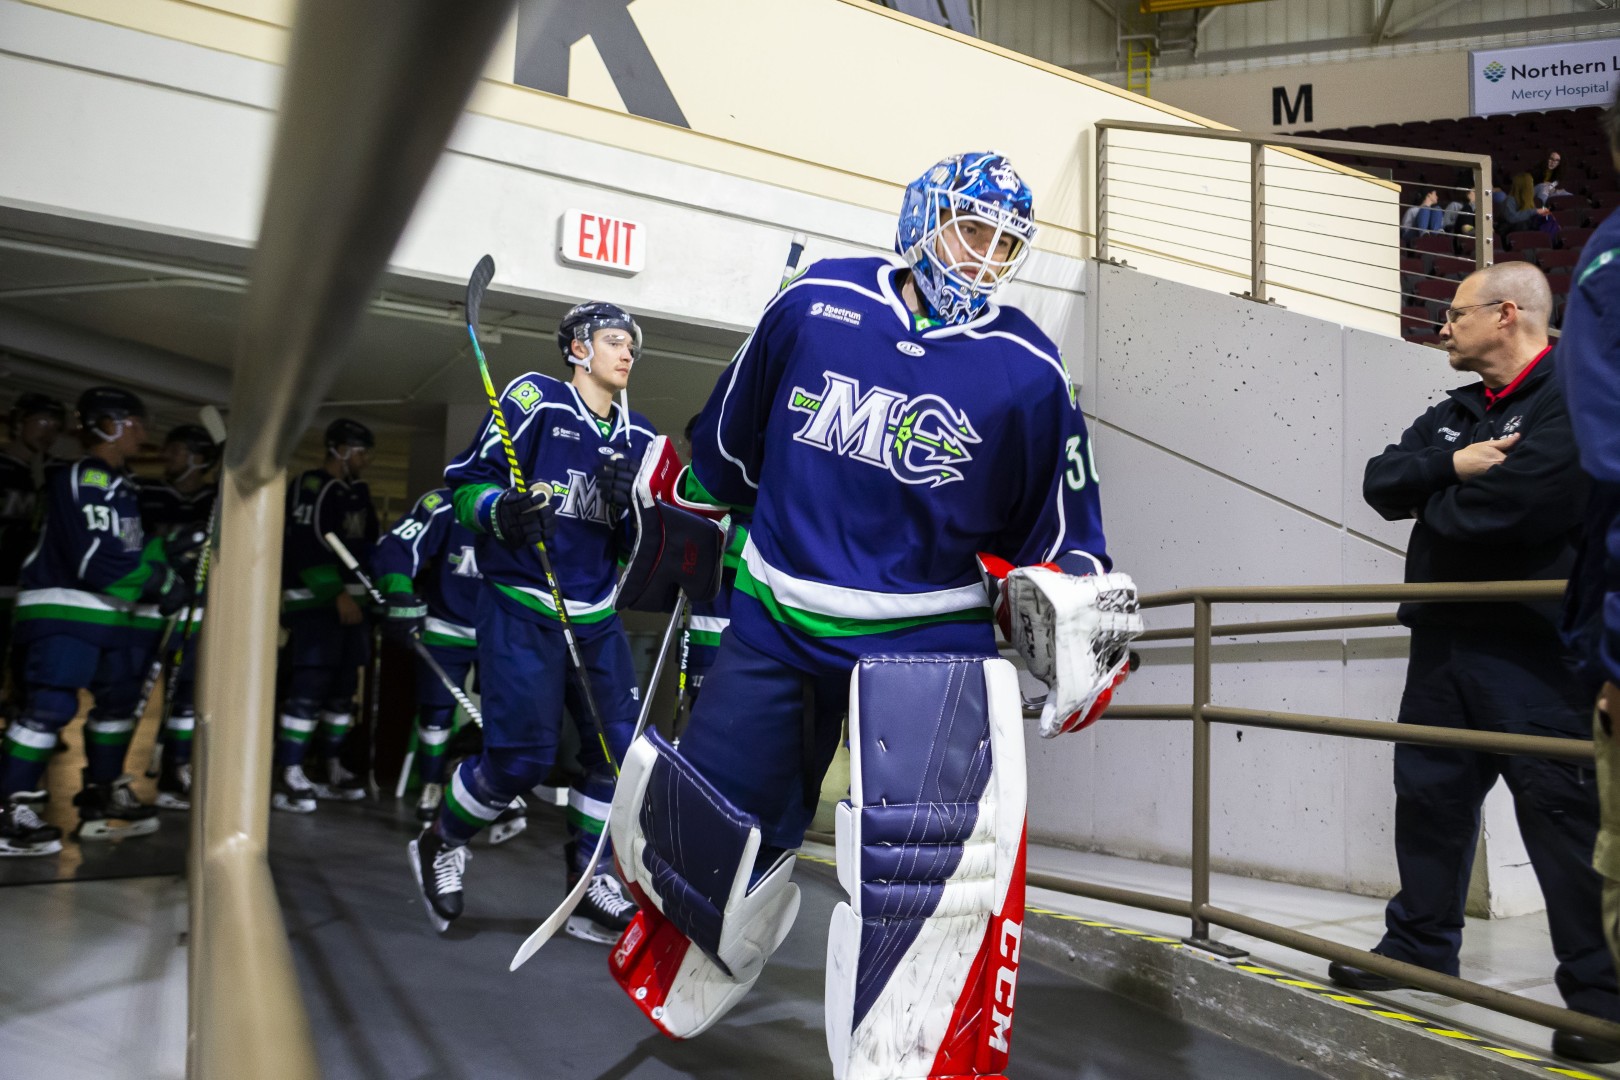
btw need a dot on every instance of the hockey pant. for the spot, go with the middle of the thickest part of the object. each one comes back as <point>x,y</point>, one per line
<point>436,709</point>
<point>59,665</point>
<point>322,661</point>
<point>527,681</point>
<point>930,849</point>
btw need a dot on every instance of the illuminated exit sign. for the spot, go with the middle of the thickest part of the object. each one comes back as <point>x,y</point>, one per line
<point>605,243</point>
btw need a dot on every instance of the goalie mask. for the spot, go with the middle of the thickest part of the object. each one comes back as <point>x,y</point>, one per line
<point>584,320</point>
<point>980,188</point>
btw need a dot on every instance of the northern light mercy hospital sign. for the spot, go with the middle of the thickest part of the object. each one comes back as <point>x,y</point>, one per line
<point>1565,76</point>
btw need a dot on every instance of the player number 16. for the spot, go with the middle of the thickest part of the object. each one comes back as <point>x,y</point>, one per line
<point>1078,466</point>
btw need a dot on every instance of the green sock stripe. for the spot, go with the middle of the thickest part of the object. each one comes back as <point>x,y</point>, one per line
<point>460,811</point>
<point>585,822</point>
<point>29,753</point>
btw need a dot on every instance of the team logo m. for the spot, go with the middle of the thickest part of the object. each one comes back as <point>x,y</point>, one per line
<point>582,499</point>
<point>919,440</point>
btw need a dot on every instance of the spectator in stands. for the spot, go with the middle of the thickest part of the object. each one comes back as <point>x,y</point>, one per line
<point>1459,214</point>
<point>1490,476</point>
<point>1544,177</point>
<point>1422,217</point>
<point>1523,190</point>
<point>1590,352</point>
<point>1510,215</point>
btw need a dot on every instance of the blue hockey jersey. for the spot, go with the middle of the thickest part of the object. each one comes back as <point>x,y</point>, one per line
<point>319,503</point>
<point>431,553</point>
<point>881,453</point>
<point>166,510</point>
<point>559,442</point>
<point>86,572</point>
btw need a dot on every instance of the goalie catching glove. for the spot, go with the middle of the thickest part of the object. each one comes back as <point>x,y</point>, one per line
<point>1073,632</point>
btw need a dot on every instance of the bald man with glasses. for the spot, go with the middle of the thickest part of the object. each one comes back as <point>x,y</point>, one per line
<point>1490,476</point>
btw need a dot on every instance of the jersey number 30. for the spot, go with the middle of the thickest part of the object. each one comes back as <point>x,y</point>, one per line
<point>1080,464</point>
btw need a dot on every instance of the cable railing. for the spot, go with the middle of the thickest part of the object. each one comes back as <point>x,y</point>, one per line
<point>1256,209</point>
<point>1203,712</point>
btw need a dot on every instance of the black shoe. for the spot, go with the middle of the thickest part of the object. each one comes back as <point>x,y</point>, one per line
<point>1354,978</point>
<point>111,811</point>
<point>439,869</point>
<point>1567,1044</point>
<point>23,833</point>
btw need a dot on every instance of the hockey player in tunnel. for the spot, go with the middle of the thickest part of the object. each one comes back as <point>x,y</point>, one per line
<point>573,437</point>
<point>427,568</point>
<point>328,639</point>
<point>893,431</point>
<point>176,507</point>
<point>92,595</point>
<point>36,422</point>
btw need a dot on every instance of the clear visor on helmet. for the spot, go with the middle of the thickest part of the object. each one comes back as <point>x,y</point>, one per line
<point>977,244</point>
<point>614,334</point>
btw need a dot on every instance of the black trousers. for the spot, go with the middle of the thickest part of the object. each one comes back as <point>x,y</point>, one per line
<point>1489,681</point>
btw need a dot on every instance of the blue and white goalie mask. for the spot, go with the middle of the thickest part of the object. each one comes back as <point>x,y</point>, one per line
<point>965,227</point>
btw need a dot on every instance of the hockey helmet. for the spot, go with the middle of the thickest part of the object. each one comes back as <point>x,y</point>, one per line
<point>108,403</point>
<point>346,432</point>
<point>979,187</point>
<point>584,320</point>
<point>34,403</point>
<point>196,439</point>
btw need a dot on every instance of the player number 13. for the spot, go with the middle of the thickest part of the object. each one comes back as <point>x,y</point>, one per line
<point>1080,463</point>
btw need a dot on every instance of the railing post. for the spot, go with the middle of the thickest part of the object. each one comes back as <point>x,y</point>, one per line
<point>1484,225</point>
<point>1257,221</point>
<point>1199,938</point>
<point>1101,182</point>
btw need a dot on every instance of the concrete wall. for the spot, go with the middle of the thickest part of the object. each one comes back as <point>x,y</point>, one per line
<point>1231,439</point>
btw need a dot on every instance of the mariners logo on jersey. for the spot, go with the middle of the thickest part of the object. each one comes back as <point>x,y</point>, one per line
<point>465,564</point>
<point>526,396</point>
<point>919,440</point>
<point>581,498</point>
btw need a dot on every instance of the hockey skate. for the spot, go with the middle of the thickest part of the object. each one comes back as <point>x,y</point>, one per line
<point>174,785</point>
<point>22,832</point>
<point>340,784</point>
<point>439,869</point>
<point>112,812</point>
<point>427,804</point>
<point>605,911</point>
<point>509,822</point>
<point>293,791</point>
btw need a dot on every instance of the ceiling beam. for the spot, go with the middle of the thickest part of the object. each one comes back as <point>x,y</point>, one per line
<point>117,360</point>
<point>1428,14</point>
<point>1383,21</point>
<point>1109,10</point>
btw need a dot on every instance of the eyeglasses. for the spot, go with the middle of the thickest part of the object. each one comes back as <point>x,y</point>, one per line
<point>1453,313</point>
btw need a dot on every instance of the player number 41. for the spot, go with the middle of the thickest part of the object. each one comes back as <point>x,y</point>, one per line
<point>1080,463</point>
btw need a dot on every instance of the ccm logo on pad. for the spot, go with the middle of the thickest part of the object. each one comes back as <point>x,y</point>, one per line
<point>602,242</point>
<point>1006,977</point>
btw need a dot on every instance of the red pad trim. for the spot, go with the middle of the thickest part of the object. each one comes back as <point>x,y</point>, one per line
<point>645,960</point>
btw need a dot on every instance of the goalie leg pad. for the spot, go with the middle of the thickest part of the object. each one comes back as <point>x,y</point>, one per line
<point>922,961</point>
<point>706,927</point>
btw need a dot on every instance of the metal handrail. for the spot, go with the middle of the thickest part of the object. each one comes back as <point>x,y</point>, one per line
<point>1203,713</point>
<point>1479,166</point>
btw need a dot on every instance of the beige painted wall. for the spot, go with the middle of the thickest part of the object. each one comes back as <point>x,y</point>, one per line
<point>1427,87</point>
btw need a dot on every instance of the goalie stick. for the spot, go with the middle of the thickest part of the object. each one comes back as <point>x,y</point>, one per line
<point>482,274</point>
<point>546,930</point>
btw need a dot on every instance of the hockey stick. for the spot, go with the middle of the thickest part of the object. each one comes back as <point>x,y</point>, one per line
<point>546,930</point>
<point>482,274</point>
<point>346,557</point>
<point>685,609</point>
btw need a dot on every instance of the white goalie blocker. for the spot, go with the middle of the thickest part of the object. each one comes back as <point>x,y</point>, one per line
<point>922,961</point>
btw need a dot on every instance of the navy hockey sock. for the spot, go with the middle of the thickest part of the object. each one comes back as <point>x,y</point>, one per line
<point>484,786</point>
<point>27,750</point>
<point>176,737</point>
<point>106,744</point>
<point>335,728</point>
<point>432,738</point>
<point>588,806</point>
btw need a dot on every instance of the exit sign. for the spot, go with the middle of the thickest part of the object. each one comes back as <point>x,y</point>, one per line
<point>606,243</point>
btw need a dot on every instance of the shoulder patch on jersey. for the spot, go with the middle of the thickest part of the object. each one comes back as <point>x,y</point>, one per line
<point>525,395</point>
<point>432,501</point>
<point>96,478</point>
<point>313,483</point>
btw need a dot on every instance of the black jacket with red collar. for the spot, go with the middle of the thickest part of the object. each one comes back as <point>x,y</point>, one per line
<point>1516,521</point>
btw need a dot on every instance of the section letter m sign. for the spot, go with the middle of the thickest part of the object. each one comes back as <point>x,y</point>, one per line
<point>1281,107</point>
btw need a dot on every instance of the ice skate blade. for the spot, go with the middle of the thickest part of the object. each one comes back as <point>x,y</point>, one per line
<point>168,800</point>
<point>579,926</point>
<point>338,794</point>
<point>105,829</point>
<point>440,923</point>
<point>50,847</point>
<point>502,831</point>
<point>293,804</point>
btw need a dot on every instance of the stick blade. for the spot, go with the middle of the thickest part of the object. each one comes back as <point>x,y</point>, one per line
<point>548,929</point>
<point>211,420</point>
<point>482,274</point>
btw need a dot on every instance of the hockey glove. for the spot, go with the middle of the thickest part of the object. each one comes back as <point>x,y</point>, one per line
<point>403,616</point>
<point>1074,634</point>
<point>167,589</point>
<point>523,519</point>
<point>183,549</point>
<point>615,480</point>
